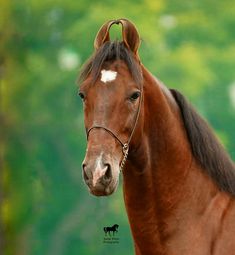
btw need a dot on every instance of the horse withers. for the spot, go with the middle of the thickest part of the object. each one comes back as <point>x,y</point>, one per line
<point>178,181</point>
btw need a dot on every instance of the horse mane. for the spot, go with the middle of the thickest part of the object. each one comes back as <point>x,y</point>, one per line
<point>109,52</point>
<point>206,148</point>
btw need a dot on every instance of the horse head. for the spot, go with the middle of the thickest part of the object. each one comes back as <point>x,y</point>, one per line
<point>111,94</point>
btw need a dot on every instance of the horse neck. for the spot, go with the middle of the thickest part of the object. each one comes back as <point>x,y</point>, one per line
<point>164,156</point>
<point>161,171</point>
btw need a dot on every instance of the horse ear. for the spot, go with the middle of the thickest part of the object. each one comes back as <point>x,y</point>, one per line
<point>103,34</point>
<point>130,36</point>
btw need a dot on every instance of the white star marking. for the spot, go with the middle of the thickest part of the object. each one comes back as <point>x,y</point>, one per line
<point>108,75</point>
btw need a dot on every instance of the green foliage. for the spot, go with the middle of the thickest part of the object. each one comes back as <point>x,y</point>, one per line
<point>46,209</point>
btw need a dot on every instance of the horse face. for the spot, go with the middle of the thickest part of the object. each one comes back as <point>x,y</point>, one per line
<point>111,102</point>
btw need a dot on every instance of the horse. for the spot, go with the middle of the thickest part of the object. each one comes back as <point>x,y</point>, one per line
<point>113,229</point>
<point>178,180</point>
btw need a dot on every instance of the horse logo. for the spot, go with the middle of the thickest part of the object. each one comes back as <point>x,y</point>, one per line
<point>113,229</point>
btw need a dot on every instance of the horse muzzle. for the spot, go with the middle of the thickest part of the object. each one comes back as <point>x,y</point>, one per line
<point>100,174</point>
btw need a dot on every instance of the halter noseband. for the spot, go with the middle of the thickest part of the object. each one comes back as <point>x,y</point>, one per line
<point>125,146</point>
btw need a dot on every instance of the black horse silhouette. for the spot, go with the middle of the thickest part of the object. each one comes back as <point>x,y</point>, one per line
<point>111,229</point>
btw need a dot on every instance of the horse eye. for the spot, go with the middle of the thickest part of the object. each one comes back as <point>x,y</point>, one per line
<point>135,95</point>
<point>81,95</point>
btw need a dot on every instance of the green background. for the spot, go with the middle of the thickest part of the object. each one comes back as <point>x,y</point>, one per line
<point>45,206</point>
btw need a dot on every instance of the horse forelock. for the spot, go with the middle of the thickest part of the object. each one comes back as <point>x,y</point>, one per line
<point>108,53</point>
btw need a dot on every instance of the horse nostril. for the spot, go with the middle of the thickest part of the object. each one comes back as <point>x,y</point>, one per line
<point>86,178</point>
<point>108,173</point>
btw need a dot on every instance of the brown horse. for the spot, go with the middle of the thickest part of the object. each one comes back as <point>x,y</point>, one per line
<point>179,183</point>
